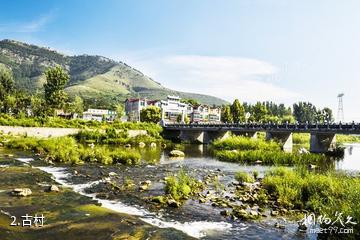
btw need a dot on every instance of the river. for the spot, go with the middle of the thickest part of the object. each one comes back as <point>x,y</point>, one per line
<point>199,220</point>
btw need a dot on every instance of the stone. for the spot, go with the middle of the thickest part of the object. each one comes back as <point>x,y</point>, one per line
<point>21,192</point>
<point>54,188</point>
<point>9,155</point>
<point>112,174</point>
<point>75,172</point>
<point>144,187</point>
<point>173,203</point>
<point>128,145</point>
<point>274,213</point>
<point>278,225</point>
<point>254,213</point>
<point>153,145</point>
<point>147,182</point>
<point>202,200</point>
<point>258,162</point>
<point>176,153</point>
<point>225,213</point>
<point>141,144</point>
<point>302,226</point>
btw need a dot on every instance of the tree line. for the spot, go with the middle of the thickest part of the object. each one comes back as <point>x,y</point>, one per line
<point>268,111</point>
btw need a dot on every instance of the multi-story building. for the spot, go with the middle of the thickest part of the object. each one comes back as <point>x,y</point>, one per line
<point>203,113</point>
<point>133,106</point>
<point>99,115</point>
<point>172,110</point>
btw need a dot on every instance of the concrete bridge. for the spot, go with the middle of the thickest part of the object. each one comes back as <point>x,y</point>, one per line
<point>322,135</point>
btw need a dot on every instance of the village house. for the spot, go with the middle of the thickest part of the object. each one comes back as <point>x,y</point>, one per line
<point>172,110</point>
<point>133,106</point>
<point>99,115</point>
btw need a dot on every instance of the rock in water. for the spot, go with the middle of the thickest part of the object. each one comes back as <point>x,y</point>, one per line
<point>173,203</point>
<point>176,153</point>
<point>21,192</point>
<point>54,188</point>
<point>141,144</point>
<point>112,174</point>
<point>153,145</point>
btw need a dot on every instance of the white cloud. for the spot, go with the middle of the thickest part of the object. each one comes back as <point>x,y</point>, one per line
<point>225,77</point>
<point>27,27</point>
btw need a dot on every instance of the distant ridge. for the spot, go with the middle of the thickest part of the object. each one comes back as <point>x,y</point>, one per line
<point>94,78</point>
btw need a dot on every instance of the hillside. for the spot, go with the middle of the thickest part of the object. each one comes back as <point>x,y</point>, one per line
<point>94,78</point>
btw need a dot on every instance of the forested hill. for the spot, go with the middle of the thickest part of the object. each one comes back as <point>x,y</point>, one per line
<point>94,78</point>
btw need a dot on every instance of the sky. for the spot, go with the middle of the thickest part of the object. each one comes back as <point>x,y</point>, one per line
<point>254,50</point>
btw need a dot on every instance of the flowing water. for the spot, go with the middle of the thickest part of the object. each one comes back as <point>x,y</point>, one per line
<point>195,219</point>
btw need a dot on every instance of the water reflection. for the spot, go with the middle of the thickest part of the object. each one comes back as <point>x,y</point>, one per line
<point>351,161</point>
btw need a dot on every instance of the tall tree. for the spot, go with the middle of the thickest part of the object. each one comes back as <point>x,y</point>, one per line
<point>305,112</point>
<point>6,86</point>
<point>327,115</point>
<point>226,115</point>
<point>259,112</point>
<point>119,110</point>
<point>56,79</point>
<point>237,111</point>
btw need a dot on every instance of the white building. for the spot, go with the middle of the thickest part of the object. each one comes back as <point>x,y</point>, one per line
<point>99,115</point>
<point>171,109</point>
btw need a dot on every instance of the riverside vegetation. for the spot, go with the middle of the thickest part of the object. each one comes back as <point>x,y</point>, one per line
<point>245,150</point>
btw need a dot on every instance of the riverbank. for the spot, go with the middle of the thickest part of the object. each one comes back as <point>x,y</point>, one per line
<point>68,215</point>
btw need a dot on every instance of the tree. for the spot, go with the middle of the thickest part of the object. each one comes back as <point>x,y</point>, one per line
<point>78,106</point>
<point>56,79</point>
<point>193,102</point>
<point>7,85</point>
<point>38,106</point>
<point>119,110</point>
<point>150,114</point>
<point>226,115</point>
<point>327,115</point>
<point>237,111</point>
<point>259,112</point>
<point>305,112</point>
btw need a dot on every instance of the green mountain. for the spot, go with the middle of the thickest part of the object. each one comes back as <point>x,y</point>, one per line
<point>96,79</point>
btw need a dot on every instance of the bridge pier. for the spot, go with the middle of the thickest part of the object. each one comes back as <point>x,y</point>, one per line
<point>202,136</point>
<point>252,135</point>
<point>322,142</point>
<point>285,138</point>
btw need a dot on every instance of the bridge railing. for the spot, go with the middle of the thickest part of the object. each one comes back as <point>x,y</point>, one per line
<point>267,126</point>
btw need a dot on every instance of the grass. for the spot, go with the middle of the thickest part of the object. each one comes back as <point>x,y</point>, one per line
<point>244,177</point>
<point>320,193</point>
<point>268,157</point>
<point>181,186</point>
<point>245,143</point>
<point>67,150</point>
<point>116,137</point>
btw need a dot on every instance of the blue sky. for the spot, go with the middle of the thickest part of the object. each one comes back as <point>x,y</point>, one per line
<point>279,50</point>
